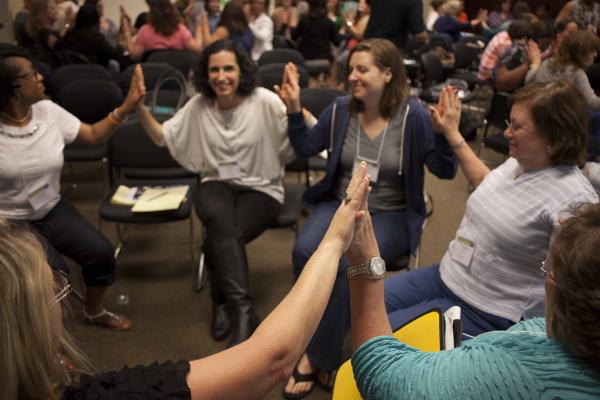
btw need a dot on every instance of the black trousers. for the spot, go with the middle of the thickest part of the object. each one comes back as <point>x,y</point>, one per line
<point>66,232</point>
<point>232,211</point>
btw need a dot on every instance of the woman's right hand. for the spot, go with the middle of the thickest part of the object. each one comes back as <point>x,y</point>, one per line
<point>446,116</point>
<point>349,215</point>
<point>137,90</point>
<point>289,91</point>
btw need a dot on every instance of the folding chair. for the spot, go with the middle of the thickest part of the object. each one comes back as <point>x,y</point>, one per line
<point>493,136</point>
<point>183,60</point>
<point>77,72</point>
<point>426,332</point>
<point>281,56</point>
<point>130,147</point>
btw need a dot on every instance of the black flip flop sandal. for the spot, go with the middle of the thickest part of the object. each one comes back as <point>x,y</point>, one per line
<point>298,377</point>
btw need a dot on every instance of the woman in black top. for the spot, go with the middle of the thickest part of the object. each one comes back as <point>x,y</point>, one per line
<point>316,31</point>
<point>85,38</point>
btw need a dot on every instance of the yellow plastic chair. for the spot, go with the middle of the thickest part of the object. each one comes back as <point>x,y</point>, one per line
<point>425,332</point>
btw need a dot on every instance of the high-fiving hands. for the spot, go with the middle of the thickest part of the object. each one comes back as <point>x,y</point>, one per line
<point>137,90</point>
<point>351,212</point>
<point>446,116</point>
<point>289,91</point>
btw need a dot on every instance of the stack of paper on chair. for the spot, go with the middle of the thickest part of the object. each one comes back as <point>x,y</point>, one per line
<point>150,199</point>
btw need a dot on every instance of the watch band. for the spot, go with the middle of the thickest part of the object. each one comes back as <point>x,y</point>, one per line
<point>358,270</point>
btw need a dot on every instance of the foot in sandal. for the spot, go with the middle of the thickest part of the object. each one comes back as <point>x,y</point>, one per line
<point>109,319</point>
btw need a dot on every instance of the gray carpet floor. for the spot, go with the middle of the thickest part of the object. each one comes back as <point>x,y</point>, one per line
<point>170,319</point>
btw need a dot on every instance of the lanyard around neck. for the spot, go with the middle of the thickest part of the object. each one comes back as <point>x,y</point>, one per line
<point>376,161</point>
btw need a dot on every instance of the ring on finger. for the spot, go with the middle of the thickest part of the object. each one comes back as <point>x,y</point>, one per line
<point>347,199</point>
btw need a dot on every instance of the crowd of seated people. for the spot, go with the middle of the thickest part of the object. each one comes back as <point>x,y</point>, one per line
<point>536,206</point>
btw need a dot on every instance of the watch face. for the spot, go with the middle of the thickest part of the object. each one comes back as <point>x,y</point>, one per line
<point>377,266</point>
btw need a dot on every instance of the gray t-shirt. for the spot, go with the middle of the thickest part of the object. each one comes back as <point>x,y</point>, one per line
<point>388,192</point>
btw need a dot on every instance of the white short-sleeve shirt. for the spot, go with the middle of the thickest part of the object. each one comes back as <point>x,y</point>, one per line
<point>31,160</point>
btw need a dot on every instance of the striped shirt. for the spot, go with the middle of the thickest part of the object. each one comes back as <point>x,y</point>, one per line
<point>509,220</point>
<point>490,58</point>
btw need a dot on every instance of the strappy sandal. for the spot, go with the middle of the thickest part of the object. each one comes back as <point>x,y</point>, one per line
<point>109,319</point>
<point>299,377</point>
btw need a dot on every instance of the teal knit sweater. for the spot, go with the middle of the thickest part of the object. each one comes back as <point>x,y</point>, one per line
<point>521,363</point>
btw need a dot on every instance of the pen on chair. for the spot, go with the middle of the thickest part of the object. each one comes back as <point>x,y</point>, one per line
<point>157,196</point>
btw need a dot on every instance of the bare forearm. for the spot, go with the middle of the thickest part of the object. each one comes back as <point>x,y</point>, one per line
<point>508,80</point>
<point>152,127</point>
<point>276,345</point>
<point>472,166</point>
<point>367,311</point>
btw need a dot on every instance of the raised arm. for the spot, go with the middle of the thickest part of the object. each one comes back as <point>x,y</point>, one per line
<point>446,118</point>
<point>103,129</point>
<point>153,128</point>
<point>270,354</point>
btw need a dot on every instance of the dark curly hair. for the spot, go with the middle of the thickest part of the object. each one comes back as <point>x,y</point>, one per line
<point>9,73</point>
<point>248,79</point>
<point>560,115</point>
<point>575,262</point>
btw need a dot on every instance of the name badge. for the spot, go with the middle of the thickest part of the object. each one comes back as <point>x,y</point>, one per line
<point>39,197</point>
<point>229,170</point>
<point>463,251</point>
<point>372,169</point>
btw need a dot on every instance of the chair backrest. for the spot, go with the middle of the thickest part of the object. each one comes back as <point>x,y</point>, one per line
<point>499,112</point>
<point>183,60</point>
<point>75,72</point>
<point>278,56</point>
<point>316,100</point>
<point>424,332</point>
<point>152,72</point>
<point>465,56</point>
<point>432,66</point>
<point>131,147</point>
<point>90,100</point>
<point>272,74</point>
<point>280,42</point>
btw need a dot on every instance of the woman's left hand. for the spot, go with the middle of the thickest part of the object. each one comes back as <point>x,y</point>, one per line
<point>348,217</point>
<point>446,117</point>
<point>137,91</point>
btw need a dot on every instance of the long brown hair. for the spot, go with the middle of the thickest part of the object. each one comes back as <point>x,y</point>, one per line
<point>233,18</point>
<point>386,55</point>
<point>163,17</point>
<point>573,50</point>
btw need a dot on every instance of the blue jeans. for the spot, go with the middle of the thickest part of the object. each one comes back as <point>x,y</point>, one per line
<point>411,294</point>
<point>391,232</point>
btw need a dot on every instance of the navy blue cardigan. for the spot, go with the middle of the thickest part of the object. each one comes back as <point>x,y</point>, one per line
<point>421,147</point>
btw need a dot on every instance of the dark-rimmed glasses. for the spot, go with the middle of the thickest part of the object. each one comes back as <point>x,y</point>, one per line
<point>62,287</point>
<point>30,76</point>
<point>546,272</point>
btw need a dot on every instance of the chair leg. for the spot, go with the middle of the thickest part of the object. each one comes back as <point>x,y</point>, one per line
<point>199,268</point>
<point>122,239</point>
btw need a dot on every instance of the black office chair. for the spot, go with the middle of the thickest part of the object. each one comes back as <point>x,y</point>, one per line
<point>77,72</point>
<point>183,60</point>
<point>89,100</point>
<point>493,136</point>
<point>130,147</point>
<point>466,62</point>
<point>152,72</point>
<point>270,75</point>
<point>281,56</point>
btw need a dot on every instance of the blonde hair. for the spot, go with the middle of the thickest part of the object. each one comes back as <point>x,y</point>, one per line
<point>451,7</point>
<point>32,336</point>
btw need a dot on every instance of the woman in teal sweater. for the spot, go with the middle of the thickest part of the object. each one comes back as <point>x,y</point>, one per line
<point>555,357</point>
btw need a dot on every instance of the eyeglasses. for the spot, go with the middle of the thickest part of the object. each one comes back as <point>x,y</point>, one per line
<point>31,75</point>
<point>62,287</point>
<point>512,126</point>
<point>547,272</point>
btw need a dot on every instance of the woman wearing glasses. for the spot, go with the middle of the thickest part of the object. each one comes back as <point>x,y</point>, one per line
<point>33,133</point>
<point>39,361</point>
<point>553,358</point>
<point>490,269</point>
